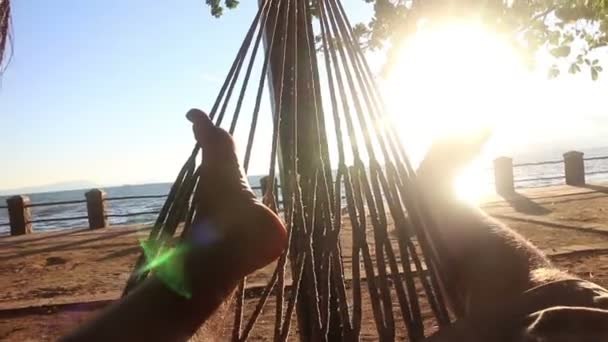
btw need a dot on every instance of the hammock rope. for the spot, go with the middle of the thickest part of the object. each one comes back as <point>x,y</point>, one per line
<point>371,195</point>
<point>6,41</point>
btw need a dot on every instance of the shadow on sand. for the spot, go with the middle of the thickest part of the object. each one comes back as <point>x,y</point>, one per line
<point>524,205</point>
<point>598,188</point>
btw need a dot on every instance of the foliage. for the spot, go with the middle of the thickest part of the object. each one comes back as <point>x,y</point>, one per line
<point>216,7</point>
<point>568,29</point>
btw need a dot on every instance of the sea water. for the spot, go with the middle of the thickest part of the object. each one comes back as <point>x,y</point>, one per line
<point>525,177</point>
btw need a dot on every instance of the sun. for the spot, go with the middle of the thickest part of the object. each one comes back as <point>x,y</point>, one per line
<point>456,78</point>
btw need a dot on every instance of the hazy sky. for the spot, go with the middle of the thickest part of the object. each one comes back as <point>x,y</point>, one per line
<point>97,90</point>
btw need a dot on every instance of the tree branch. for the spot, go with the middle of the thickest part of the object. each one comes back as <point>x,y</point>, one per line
<point>542,15</point>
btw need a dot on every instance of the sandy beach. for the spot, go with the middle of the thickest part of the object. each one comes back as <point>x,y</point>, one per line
<point>52,282</point>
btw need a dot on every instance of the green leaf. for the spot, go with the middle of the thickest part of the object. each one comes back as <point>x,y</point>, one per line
<point>587,61</point>
<point>231,3</point>
<point>554,37</point>
<point>561,51</point>
<point>574,68</point>
<point>594,74</point>
<point>595,61</point>
<point>604,25</point>
<point>553,72</point>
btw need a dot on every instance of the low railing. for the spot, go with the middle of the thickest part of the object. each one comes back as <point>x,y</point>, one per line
<point>574,171</point>
<point>20,218</point>
<point>137,213</point>
<point>20,210</point>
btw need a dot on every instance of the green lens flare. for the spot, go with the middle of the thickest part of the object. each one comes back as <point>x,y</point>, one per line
<point>167,263</point>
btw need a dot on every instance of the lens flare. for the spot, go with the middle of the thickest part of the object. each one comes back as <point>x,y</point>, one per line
<point>456,78</point>
<point>167,263</point>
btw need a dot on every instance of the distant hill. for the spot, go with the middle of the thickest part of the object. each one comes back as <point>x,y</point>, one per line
<point>62,186</point>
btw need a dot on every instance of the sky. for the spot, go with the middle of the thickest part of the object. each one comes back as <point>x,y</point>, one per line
<point>463,77</point>
<point>97,90</point>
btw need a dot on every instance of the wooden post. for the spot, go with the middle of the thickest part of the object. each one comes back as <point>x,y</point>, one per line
<point>19,214</point>
<point>96,208</point>
<point>503,175</point>
<point>264,184</point>
<point>574,168</point>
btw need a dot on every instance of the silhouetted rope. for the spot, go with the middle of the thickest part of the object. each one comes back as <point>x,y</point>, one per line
<point>5,34</point>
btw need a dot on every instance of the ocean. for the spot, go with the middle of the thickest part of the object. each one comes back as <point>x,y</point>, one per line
<point>525,177</point>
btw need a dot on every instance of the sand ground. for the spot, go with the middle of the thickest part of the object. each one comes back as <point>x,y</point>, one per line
<point>52,282</point>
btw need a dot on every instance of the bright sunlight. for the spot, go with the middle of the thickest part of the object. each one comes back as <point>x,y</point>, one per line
<point>456,79</point>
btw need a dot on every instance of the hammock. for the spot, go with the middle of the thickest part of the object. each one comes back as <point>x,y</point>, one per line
<point>370,183</point>
<point>5,33</point>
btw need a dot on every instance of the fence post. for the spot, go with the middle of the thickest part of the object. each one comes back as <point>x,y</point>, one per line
<point>503,175</point>
<point>574,168</point>
<point>265,185</point>
<point>19,215</point>
<point>96,208</point>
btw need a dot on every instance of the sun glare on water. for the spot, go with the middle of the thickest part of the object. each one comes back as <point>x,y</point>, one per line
<point>455,79</point>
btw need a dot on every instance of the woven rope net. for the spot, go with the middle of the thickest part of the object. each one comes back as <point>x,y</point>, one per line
<point>346,186</point>
<point>5,33</point>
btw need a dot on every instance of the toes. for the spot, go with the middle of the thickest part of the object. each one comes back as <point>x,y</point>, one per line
<point>207,135</point>
<point>203,128</point>
<point>198,117</point>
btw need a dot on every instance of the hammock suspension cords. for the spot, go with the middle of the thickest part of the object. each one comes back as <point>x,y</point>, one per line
<point>339,160</point>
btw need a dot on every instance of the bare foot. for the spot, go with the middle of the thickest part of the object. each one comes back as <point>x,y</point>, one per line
<point>232,226</point>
